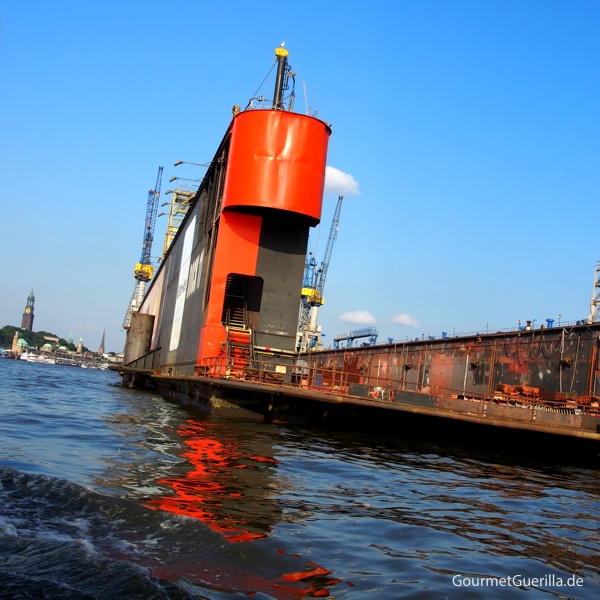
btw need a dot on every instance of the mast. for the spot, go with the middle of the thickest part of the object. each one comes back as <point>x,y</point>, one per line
<point>281,53</point>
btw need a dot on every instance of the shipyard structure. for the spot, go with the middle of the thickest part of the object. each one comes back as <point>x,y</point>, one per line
<point>229,284</point>
<point>218,323</point>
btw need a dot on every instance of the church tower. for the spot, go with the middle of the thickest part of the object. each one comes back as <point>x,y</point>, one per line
<point>27,322</point>
<point>101,349</point>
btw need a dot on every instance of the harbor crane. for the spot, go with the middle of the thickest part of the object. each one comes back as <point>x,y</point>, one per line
<point>312,288</point>
<point>367,332</point>
<point>144,270</point>
<point>595,301</point>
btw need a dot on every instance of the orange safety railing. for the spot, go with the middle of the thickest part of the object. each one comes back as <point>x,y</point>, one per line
<point>378,388</point>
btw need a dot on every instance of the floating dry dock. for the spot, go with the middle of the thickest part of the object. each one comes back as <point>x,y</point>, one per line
<point>218,325</point>
<point>483,379</point>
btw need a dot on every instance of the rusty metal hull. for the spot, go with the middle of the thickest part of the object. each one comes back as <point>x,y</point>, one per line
<point>534,382</point>
<point>556,364</point>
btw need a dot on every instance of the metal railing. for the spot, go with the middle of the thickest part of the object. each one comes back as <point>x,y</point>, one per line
<point>425,337</point>
<point>365,386</point>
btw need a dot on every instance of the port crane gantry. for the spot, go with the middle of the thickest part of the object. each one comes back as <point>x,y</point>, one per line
<point>313,286</point>
<point>144,270</point>
<point>366,332</point>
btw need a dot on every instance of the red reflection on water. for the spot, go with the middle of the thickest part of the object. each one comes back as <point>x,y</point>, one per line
<point>199,493</point>
<point>315,577</point>
<point>306,574</point>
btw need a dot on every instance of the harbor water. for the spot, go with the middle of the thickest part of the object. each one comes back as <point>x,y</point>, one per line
<point>111,493</point>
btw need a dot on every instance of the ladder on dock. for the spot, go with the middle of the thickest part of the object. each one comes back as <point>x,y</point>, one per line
<point>240,337</point>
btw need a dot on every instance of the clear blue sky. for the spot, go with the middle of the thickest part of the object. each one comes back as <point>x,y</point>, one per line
<point>471,127</point>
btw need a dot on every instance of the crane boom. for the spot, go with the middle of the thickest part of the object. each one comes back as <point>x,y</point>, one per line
<point>330,242</point>
<point>313,286</point>
<point>143,270</point>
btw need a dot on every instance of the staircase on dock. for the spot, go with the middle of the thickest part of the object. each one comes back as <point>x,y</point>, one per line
<point>240,337</point>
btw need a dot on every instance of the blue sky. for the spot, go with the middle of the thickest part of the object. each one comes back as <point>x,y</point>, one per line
<point>471,128</point>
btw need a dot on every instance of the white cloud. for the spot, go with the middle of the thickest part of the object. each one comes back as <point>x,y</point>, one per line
<point>405,319</point>
<point>339,183</point>
<point>360,317</point>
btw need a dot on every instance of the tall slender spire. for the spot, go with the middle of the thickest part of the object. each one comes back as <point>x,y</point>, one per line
<point>101,349</point>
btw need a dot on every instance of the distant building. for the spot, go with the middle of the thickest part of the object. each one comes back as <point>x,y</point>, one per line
<point>101,349</point>
<point>15,346</point>
<point>19,345</point>
<point>27,322</point>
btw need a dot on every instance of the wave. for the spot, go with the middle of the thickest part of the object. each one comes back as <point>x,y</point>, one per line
<point>61,540</point>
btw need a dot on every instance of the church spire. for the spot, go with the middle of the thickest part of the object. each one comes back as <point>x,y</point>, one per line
<point>101,349</point>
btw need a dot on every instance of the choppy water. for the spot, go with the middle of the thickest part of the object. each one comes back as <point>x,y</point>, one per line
<point>113,494</point>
